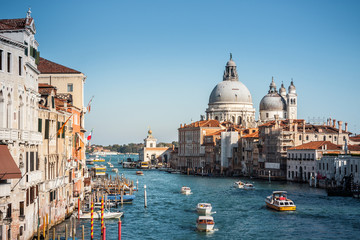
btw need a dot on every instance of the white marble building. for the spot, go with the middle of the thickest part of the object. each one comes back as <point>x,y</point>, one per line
<point>231,100</point>
<point>18,127</point>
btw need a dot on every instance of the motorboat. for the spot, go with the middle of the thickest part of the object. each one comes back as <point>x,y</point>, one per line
<point>109,204</point>
<point>186,190</point>
<point>115,170</point>
<point>249,186</point>
<point>204,208</point>
<point>205,223</point>
<point>127,198</point>
<point>279,201</point>
<point>97,159</point>
<point>97,214</point>
<point>139,173</point>
<point>239,184</point>
<point>144,165</point>
<point>110,164</point>
<point>100,170</point>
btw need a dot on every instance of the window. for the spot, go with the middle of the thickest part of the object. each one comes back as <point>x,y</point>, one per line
<point>8,211</point>
<point>307,137</point>
<point>267,115</point>
<point>47,123</point>
<point>9,63</point>
<point>22,212</point>
<point>335,138</point>
<point>32,165</point>
<point>299,137</point>
<point>324,138</point>
<point>351,168</point>
<point>1,59</point>
<point>70,87</point>
<point>20,66</point>
<point>39,125</point>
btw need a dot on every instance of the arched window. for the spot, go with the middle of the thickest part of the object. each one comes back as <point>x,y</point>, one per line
<point>8,114</point>
<point>217,118</point>
<point>233,119</point>
<point>239,120</point>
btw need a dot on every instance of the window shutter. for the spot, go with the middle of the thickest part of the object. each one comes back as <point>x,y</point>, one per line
<point>39,125</point>
<point>63,133</point>
<point>47,129</point>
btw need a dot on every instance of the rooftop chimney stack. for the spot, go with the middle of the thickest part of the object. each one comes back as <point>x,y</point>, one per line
<point>346,127</point>
<point>304,126</point>
<point>334,123</point>
<point>340,126</point>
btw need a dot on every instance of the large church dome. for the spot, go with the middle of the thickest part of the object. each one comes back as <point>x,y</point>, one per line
<point>230,92</point>
<point>230,100</point>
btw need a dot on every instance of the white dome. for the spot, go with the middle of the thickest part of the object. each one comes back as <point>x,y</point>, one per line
<point>230,92</point>
<point>272,102</point>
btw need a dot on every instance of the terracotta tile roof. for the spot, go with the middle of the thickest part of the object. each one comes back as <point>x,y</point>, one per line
<point>46,66</point>
<point>317,145</point>
<point>9,169</point>
<point>214,133</point>
<point>309,128</point>
<point>354,147</point>
<point>355,138</point>
<point>13,24</point>
<point>205,123</point>
<point>252,135</point>
<point>45,89</point>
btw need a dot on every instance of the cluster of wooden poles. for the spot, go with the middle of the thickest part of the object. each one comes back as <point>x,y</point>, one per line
<point>46,234</point>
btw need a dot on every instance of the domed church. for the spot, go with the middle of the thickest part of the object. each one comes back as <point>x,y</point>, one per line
<point>231,100</point>
<point>281,104</point>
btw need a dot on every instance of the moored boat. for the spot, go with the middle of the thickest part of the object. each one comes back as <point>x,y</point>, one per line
<point>249,186</point>
<point>205,223</point>
<point>186,190</point>
<point>97,214</point>
<point>100,170</point>
<point>139,173</point>
<point>204,208</point>
<point>115,170</point>
<point>279,201</point>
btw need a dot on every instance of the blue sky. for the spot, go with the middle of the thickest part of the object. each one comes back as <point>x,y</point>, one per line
<point>154,63</point>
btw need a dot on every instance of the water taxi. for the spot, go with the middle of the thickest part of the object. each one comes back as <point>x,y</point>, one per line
<point>144,165</point>
<point>279,201</point>
<point>100,170</point>
<point>239,184</point>
<point>139,173</point>
<point>205,223</point>
<point>204,208</point>
<point>242,185</point>
<point>186,190</point>
<point>249,186</point>
<point>97,159</point>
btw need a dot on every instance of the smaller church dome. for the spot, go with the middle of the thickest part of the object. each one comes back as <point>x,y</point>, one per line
<point>282,90</point>
<point>231,63</point>
<point>292,88</point>
<point>272,102</point>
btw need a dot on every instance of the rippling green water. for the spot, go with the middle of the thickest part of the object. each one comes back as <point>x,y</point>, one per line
<point>239,214</point>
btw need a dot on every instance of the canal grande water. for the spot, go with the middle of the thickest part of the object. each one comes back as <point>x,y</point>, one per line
<point>240,214</point>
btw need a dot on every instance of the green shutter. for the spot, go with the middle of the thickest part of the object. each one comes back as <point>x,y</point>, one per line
<point>37,59</point>
<point>39,125</point>
<point>58,127</point>
<point>47,123</point>
<point>31,51</point>
<point>26,51</point>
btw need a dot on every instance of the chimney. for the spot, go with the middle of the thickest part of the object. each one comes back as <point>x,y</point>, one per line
<point>334,123</point>
<point>180,125</point>
<point>346,128</point>
<point>340,126</point>
<point>329,122</point>
<point>303,126</point>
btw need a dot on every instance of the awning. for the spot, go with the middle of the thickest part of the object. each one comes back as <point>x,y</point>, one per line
<point>8,167</point>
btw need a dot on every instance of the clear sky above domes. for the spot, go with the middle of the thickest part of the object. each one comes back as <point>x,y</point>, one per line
<point>155,63</point>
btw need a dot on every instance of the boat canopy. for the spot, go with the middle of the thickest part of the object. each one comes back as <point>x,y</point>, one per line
<point>205,218</point>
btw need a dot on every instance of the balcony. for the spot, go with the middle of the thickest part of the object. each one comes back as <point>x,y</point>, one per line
<point>8,134</point>
<point>35,177</point>
<point>55,183</point>
<point>5,189</point>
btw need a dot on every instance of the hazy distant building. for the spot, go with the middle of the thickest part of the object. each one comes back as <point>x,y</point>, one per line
<point>281,104</point>
<point>152,153</point>
<point>231,100</point>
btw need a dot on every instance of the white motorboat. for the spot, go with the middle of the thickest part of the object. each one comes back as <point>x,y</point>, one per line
<point>249,186</point>
<point>97,215</point>
<point>115,170</point>
<point>186,190</point>
<point>205,223</point>
<point>204,208</point>
<point>279,201</point>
